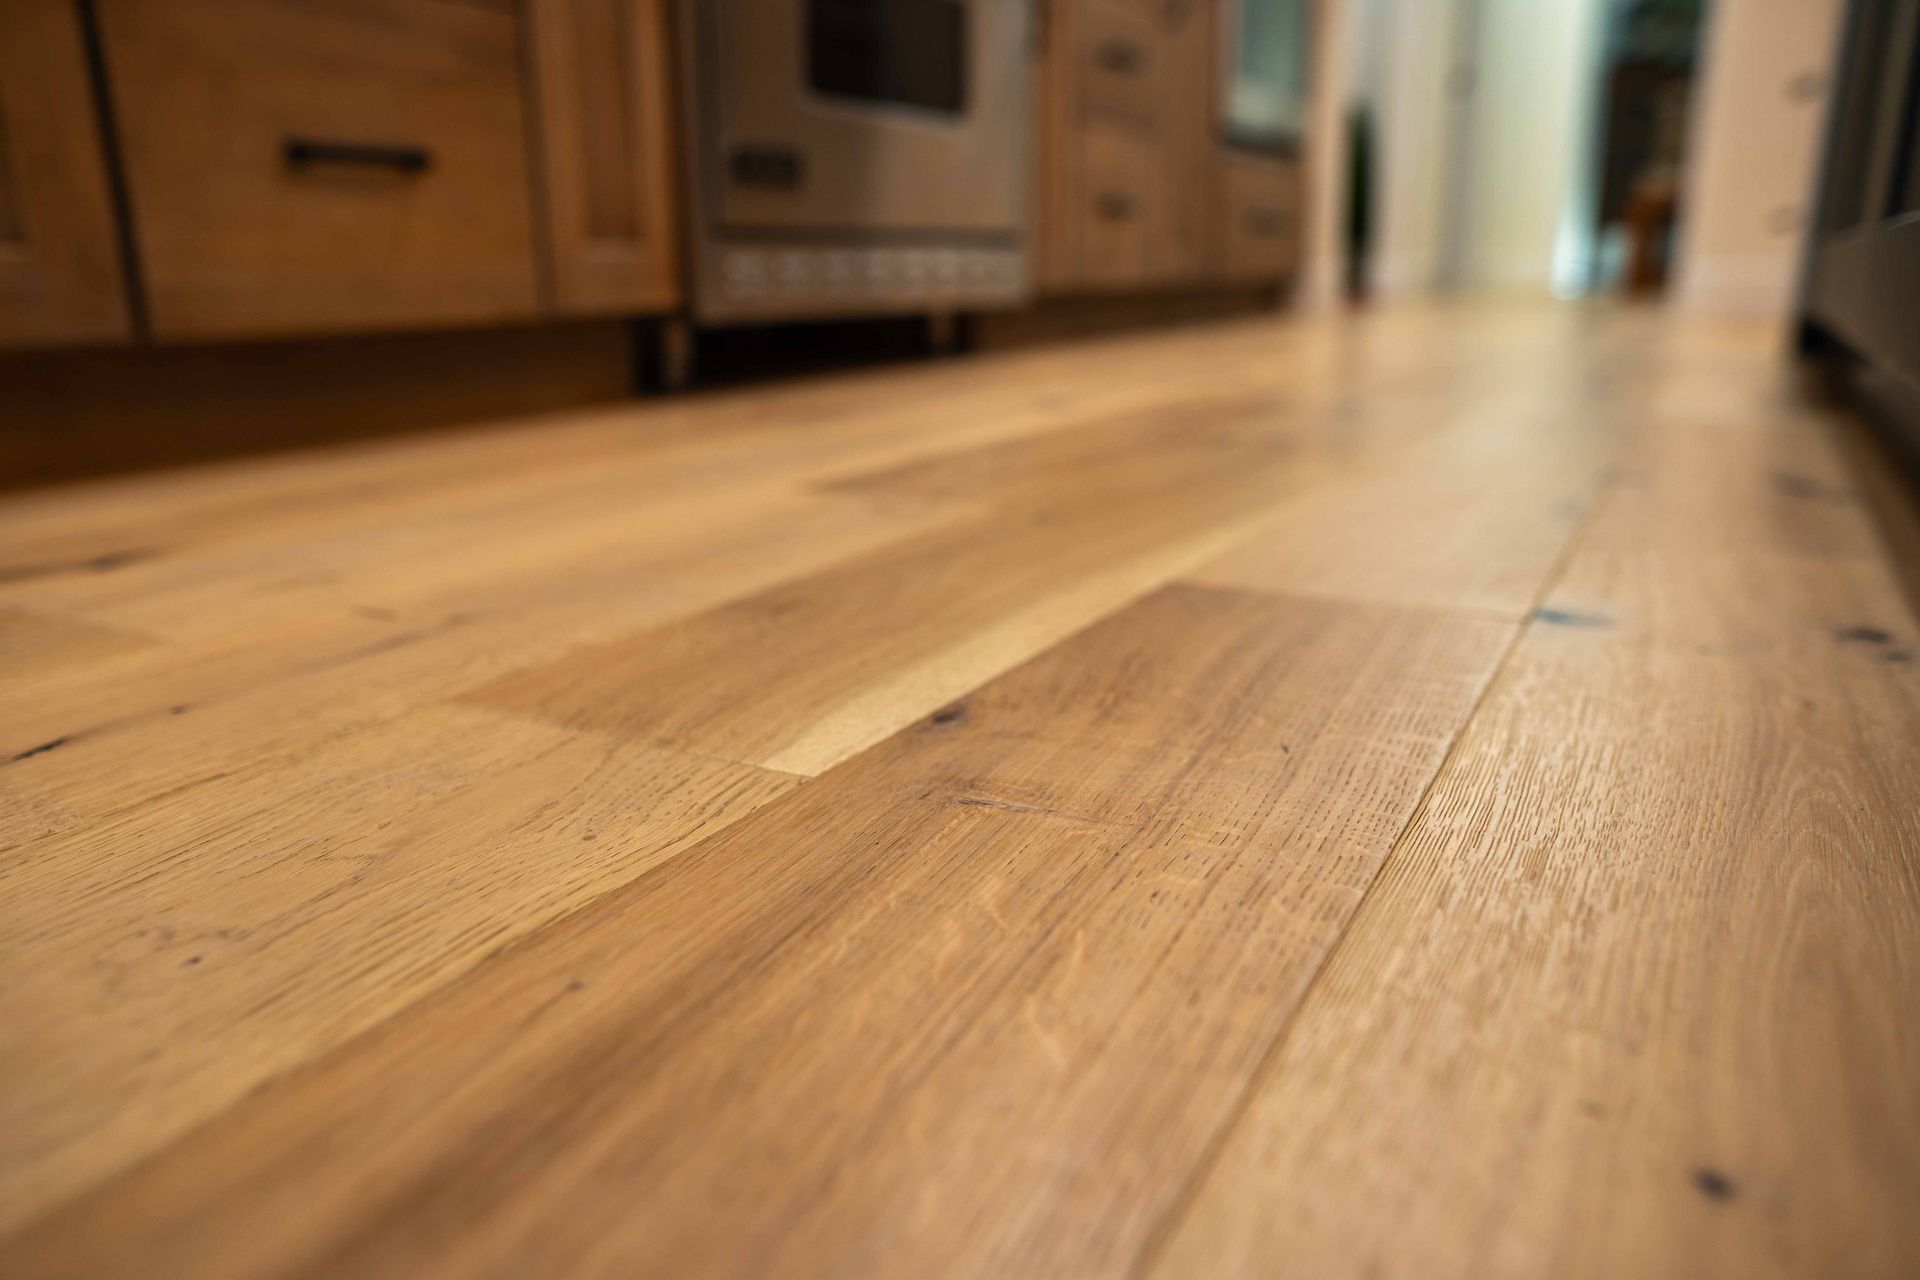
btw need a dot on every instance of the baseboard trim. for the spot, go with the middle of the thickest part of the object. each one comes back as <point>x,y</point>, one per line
<point>78,414</point>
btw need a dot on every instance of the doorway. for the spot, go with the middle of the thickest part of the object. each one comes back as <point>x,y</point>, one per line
<point>1650,54</point>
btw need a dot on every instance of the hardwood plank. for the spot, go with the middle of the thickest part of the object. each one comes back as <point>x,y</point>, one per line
<point>407,560</point>
<point>1010,987</point>
<point>1412,538</point>
<point>799,676</point>
<point>62,551</point>
<point>972,1003</point>
<point>149,723</point>
<point>724,437</point>
<point>179,956</point>
<point>851,421</point>
<point>1478,508</point>
<point>34,645</point>
<point>1636,994</point>
<point>38,651</point>
<point>1475,519</point>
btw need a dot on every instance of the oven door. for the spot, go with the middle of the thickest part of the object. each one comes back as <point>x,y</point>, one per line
<point>893,115</point>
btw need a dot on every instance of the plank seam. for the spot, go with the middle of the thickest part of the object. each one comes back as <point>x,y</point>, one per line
<point>1160,1236</point>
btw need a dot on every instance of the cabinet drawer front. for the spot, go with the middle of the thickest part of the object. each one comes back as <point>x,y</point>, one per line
<point>1123,216</point>
<point>1124,63</point>
<point>315,165</point>
<point>1262,209</point>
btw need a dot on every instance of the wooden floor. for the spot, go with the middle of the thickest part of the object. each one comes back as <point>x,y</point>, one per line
<point>1432,796</point>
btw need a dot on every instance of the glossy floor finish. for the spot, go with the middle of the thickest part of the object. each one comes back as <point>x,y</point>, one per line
<point>1433,795</point>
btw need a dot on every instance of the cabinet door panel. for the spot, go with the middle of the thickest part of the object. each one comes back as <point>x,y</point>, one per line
<point>307,166</point>
<point>601,72</point>
<point>60,267</point>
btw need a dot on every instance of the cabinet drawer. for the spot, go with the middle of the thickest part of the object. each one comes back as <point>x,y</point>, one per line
<point>1123,216</point>
<point>315,165</point>
<point>1124,62</point>
<point>1261,207</point>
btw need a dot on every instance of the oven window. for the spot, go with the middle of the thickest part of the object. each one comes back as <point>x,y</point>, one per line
<point>911,52</point>
<point>1265,90</point>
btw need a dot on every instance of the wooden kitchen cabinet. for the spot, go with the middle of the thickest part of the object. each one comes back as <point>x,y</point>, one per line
<point>1259,217</point>
<point>315,166</point>
<point>601,72</point>
<point>1123,92</point>
<point>1138,189</point>
<point>61,271</point>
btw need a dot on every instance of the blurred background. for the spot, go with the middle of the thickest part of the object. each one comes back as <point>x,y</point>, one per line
<point>421,211</point>
<point>1591,146</point>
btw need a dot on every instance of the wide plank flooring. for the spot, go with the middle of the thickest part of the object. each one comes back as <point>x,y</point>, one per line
<point>1434,794</point>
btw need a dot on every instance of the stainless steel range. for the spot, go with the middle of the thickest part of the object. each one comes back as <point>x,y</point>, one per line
<point>855,156</point>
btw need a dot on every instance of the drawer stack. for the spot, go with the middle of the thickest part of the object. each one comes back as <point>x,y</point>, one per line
<point>1137,105</point>
<point>1138,189</point>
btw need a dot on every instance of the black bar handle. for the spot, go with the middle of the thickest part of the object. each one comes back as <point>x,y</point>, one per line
<point>304,152</point>
<point>1122,57</point>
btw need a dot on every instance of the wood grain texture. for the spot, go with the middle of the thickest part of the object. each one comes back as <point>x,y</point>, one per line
<point>302,906</point>
<point>1637,993</point>
<point>1126,146</point>
<point>234,240</point>
<point>249,665</point>
<point>61,278</point>
<point>33,646</point>
<point>1476,514</point>
<point>1120,669</point>
<point>600,75</point>
<point>270,685</point>
<point>1059,921</point>
<point>797,677</point>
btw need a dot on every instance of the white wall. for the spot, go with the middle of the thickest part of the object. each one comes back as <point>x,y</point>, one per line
<point>1472,190</point>
<point>1323,284</point>
<point>1408,61</point>
<point>1530,137</point>
<point>1759,118</point>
